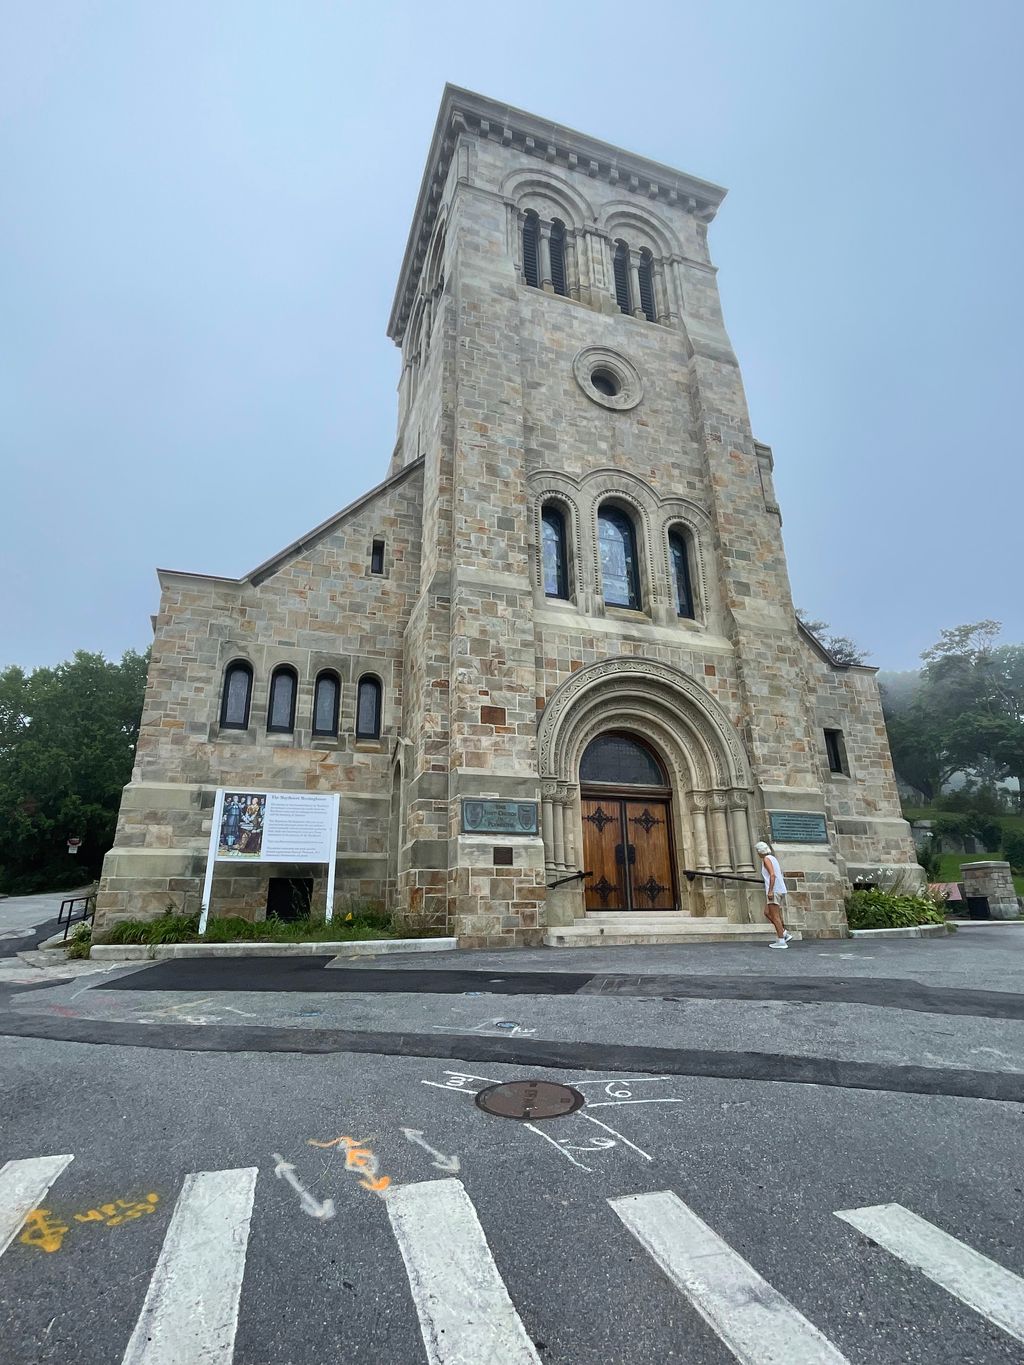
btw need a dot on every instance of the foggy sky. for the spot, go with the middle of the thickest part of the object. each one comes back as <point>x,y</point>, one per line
<point>203,209</point>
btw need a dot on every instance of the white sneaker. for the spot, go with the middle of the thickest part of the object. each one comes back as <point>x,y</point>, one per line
<point>779,943</point>
<point>786,935</point>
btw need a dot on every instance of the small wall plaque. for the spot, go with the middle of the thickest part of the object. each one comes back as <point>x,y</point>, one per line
<point>499,817</point>
<point>798,827</point>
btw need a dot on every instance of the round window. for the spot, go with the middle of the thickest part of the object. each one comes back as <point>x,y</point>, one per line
<point>608,378</point>
<point>605,382</point>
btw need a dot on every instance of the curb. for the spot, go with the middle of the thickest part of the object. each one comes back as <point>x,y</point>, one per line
<point>366,947</point>
<point>915,931</point>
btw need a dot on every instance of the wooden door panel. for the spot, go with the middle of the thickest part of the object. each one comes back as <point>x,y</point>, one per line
<point>650,872</point>
<point>602,835</point>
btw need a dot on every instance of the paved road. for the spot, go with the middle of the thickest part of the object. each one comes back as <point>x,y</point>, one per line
<point>192,1216</point>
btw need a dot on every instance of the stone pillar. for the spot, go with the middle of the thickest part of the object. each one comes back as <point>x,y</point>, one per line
<point>720,828</point>
<point>634,284</point>
<point>994,881</point>
<point>741,849</point>
<point>546,281</point>
<point>547,820</point>
<point>567,795</point>
<point>574,281</point>
<point>700,831</point>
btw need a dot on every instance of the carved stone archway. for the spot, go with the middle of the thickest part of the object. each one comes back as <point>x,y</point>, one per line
<point>689,729</point>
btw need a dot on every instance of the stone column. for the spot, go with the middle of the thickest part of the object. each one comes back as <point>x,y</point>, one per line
<point>993,880</point>
<point>573,281</point>
<point>567,795</point>
<point>634,284</point>
<point>547,823</point>
<point>741,849</point>
<point>698,801</point>
<point>720,828</point>
<point>546,281</point>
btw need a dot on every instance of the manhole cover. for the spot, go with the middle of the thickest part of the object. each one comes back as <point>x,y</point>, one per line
<point>529,1100</point>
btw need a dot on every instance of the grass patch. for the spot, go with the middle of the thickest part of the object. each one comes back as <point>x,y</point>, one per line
<point>346,927</point>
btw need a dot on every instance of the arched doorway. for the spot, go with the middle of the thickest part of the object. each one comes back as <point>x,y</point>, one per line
<point>625,801</point>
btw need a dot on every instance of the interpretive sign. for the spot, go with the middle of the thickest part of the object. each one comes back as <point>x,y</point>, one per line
<point>499,817</point>
<point>798,827</point>
<point>273,827</point>
<point>277,827</point>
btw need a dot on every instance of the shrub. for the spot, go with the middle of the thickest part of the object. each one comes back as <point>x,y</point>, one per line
<point>882,910</point>
<point>1013,849</point>
<point>80,941</point>
<point>930,859</point>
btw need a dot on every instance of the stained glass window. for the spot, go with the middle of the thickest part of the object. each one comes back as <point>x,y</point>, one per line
<point>556,577</point>
<point>234,709</point>
<point>368,709</point>
<point>325,704</point>
<point>619,578</point>
<point>281,711</point>
<point>620,759</point>
<point>681,574</point>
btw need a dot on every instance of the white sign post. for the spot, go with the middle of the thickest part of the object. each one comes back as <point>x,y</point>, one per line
<point>273,827</point>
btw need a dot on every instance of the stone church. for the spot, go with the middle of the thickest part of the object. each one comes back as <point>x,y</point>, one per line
<point>550,662</point>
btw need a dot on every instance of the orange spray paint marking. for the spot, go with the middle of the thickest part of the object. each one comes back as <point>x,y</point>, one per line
<point>359,1158</point>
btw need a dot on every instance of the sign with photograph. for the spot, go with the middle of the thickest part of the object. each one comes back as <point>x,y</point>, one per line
<point>276,827</point>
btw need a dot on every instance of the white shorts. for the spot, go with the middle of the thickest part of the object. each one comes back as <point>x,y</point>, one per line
<point>777,898</point>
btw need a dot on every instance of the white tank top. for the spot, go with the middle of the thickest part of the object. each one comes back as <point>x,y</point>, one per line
<point>771,861</point>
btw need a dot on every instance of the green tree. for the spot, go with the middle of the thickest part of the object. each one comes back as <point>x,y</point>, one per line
<point>67,744</point>
<point>841,647</point>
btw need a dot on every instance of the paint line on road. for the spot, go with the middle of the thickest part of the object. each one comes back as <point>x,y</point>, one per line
<point>754,1320</point>
<point>23,1186</point>
<point>190,1313</point>
<point>614,1132</point>
<point>464,1309</point>
<point>984,1285</point>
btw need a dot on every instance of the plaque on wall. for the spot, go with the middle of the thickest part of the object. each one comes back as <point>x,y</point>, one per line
<point>798,827</point>
<point>498,817</point>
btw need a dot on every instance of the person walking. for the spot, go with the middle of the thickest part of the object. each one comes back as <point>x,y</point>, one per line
<point>775,894</point>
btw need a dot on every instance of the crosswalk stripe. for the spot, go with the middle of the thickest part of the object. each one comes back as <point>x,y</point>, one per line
<point>463,1306</point>
<point>23,1186</point>
<point>190,1313</point>
<point>984,1285</point>
<point>758,1325</point>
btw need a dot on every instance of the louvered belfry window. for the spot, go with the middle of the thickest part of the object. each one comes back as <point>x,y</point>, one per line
<point>621,266</point>
<point>646,273</point>
<point>558,257</point>
<point>531,234</point>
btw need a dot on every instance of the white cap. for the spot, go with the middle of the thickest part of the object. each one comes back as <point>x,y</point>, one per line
<point>762,847</point>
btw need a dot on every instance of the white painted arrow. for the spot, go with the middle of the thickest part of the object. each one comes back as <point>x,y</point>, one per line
<point>442,1162</point>
<point>284,1170</point>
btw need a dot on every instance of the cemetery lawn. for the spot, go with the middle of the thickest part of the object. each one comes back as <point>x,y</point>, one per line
<point>345,927</point>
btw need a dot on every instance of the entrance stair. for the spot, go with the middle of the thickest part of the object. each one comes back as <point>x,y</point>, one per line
<point>618,930</point>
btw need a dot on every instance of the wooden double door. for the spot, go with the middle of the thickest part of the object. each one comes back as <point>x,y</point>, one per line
<point>627,843</point>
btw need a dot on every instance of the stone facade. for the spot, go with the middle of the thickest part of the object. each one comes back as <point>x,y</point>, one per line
<point>562,347</point>
<point>994,881</point>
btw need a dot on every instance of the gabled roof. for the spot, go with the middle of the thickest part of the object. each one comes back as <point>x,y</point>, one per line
<point>270,566</point>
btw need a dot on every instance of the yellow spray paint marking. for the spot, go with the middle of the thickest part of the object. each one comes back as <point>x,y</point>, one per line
<point>121,1211</point>
<point>43,1230</point>
<point>359,1158</point>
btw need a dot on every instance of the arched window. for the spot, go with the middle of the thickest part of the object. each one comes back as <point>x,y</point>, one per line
<point>236,697</point>
<point>368,708</point>
<point>620,578</point>
<point>281,707</point>
<point>682,582</point>
<point>621,267</point>
<point>326,697</point>
<point>646,274</point>
<point>621,759</point>
<point>556,566</point>
<point>531,257</point>
<point>558,257</point>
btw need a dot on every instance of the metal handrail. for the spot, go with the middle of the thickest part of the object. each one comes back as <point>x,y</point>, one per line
<point>88,904</point>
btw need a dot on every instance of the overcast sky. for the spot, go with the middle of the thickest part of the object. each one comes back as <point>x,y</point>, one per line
<point>203,208</point>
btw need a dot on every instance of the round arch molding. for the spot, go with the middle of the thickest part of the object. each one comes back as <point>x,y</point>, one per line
<point>609,690</point>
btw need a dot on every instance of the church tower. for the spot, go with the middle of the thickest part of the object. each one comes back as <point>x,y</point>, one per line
<point>567,673</point>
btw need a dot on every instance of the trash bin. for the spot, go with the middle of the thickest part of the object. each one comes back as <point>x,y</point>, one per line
<point>977,907</point>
